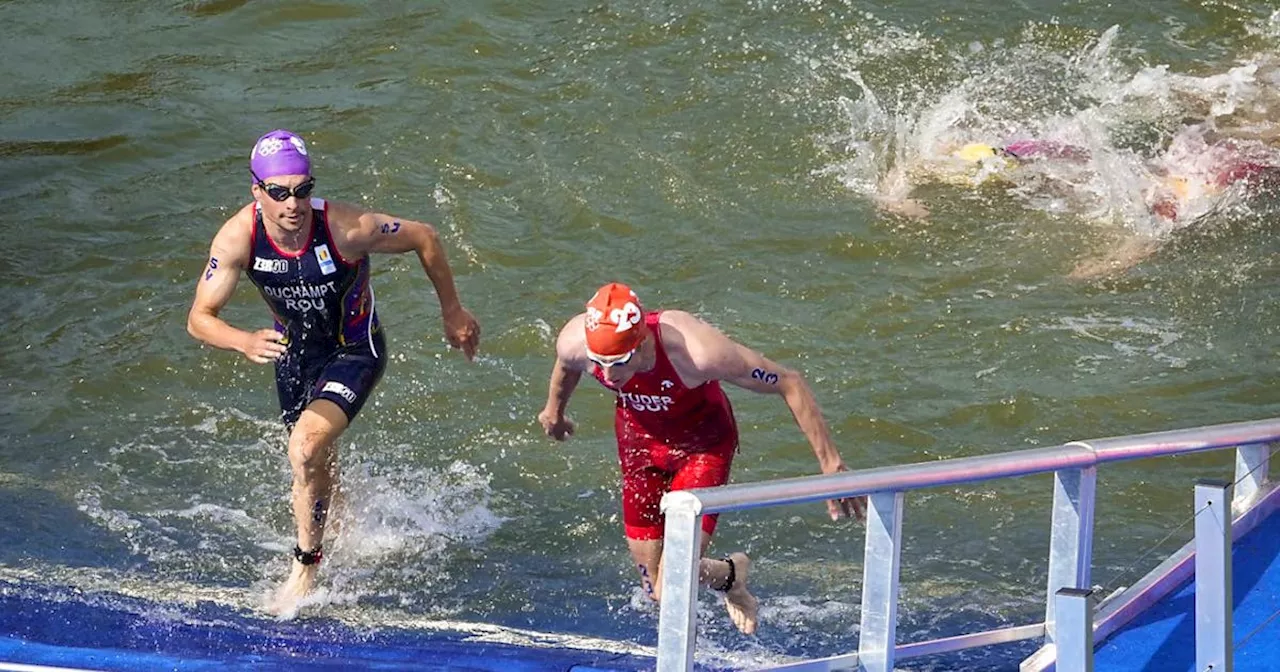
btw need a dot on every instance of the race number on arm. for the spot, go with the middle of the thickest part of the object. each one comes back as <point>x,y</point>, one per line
<point>228,256</point>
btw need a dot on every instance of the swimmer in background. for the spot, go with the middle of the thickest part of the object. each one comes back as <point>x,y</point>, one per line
<point>970,165</point>
<point>1187,181</point>
<point>1200,173</point>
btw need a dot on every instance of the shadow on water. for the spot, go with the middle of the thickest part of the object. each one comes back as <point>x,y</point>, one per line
<point>28,148</point>
<point>37,523</point>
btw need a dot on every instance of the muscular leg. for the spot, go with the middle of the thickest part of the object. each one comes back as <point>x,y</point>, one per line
<point>740,603</point>
<point>642,491</point>
<point>337,499</point>
<point>310,455</point>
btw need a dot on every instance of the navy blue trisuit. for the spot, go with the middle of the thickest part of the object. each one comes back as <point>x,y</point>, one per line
<point>324,306</point>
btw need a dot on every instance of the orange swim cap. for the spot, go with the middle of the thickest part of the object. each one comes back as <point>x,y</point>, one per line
<point>613,321</point>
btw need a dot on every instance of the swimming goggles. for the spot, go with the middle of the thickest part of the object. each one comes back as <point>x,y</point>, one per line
<point>280,193</point>
<point>610,362</point>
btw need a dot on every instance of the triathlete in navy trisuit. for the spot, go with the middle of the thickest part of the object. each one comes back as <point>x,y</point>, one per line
<point>309,258</point>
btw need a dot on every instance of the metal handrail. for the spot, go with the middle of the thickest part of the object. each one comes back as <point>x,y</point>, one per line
<point>1073,455</point>
<point>1074,465</point>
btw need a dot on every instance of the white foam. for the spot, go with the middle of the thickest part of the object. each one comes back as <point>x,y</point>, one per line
<point>1124,337</point>
<point>1095,101</point>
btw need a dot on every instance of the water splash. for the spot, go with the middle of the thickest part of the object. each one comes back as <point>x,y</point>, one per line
<point>1138,163</point>
<point>394,530</point>
<point>418,511</point>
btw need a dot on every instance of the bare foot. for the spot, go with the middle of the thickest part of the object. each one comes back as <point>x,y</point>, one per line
<point>287,598</point>
<point>1126,255</point>
<point>893,195</point>
<point>740,603</point>
<point>1092,269</point>
<point>905,207</point>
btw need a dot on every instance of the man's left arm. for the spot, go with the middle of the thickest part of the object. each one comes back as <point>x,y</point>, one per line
<point>376,232</point>
<point>717,357</point>
<point>750,370</point>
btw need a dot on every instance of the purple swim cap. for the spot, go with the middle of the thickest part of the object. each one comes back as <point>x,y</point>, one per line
<point>279,152</point>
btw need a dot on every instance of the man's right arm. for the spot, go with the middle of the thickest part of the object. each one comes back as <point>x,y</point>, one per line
<point>228,256</point>
<point>565,374</point>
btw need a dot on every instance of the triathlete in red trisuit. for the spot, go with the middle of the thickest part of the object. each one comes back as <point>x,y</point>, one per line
<point>674,424</point>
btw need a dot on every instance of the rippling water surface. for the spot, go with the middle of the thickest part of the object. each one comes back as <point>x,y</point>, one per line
<point>723,158</point>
